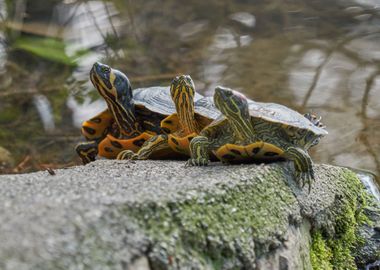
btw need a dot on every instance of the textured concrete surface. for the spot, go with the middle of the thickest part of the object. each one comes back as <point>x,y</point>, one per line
<point>91,217</point>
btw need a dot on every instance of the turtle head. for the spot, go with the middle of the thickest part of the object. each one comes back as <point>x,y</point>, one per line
<point>182,91</point>
<point>115,88</point>
<point>234,106</point>
<point>231,104</point>
<point>112,84</point>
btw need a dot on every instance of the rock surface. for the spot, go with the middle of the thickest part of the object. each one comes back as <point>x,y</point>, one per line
<point>159,215</point>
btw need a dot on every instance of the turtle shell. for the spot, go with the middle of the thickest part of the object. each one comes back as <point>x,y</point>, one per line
<point>277,113</point>
<point>158,99</point>
<point>205,106</point>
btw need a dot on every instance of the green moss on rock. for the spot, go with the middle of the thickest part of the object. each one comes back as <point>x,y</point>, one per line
<point>320,253</point>
<point>237,225</point>
<point>336,250</point>
<point>227,228</point>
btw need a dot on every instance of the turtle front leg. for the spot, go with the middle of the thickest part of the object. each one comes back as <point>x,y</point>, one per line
<point>303,165</point>
<point>199,151</point>
<point>152,145</point>
<point>87,151</point>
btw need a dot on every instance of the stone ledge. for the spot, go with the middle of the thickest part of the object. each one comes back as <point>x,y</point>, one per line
<point>159,214</point>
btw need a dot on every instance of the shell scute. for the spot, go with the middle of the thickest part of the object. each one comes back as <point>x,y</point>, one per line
<point>277,113</point>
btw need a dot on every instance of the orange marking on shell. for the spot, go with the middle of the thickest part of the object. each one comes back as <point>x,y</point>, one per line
<point>170,123</point>
<point>127,144</point>
<point>258,151</point>
<point>181,144</point>
<point>98,128</point>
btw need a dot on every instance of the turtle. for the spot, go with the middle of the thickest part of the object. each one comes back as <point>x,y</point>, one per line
<point>249,131</point>
<point>181,127</point>
<point>131,117</point>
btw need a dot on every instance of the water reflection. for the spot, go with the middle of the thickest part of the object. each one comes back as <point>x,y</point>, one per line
<point>244,18</point>
<point>45,112</point>
<point>312,56</point>
<point>339,78</point>
<point>83,110</point>
<point>87,26</point>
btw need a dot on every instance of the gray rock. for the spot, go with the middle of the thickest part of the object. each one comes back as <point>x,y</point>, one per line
<point>159,214</point>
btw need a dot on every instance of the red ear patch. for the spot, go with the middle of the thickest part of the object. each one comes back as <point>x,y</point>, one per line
<point>238,94</point>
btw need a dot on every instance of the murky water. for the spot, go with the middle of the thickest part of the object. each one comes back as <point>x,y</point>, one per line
<point>319,56</point>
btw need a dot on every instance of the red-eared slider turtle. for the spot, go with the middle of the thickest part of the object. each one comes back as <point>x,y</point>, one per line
<point>254,131</point>
<point>190,118</point>
<point>132,117</point>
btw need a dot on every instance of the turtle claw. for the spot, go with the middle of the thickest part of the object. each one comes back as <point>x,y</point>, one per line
<point>304,178</point>
<point>127,155</point>
<point>197,162</point>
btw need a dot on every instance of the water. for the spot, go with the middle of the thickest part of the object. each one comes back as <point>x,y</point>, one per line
<point>319,56</point>
<point>370,184</point>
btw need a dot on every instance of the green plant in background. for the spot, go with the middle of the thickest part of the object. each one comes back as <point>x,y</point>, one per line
<point>47,48</point>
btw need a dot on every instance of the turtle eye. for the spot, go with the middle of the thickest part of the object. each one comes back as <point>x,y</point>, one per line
<point>188,79</point>
<point>301,132</point>
<point>175,80</point>
<point>228,93</point>
<point>105,69</point>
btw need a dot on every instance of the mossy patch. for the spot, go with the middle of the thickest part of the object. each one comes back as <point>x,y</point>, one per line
<point>230,227</point>
<point>320,254</point>
<point>336,250</point>
<point>236,225</point>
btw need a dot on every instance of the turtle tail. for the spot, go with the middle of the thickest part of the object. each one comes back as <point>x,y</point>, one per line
<point>315,119</point>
